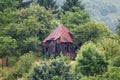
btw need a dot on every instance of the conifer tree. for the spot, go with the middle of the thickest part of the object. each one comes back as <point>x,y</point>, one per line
<point>70,4</point>
<point>48,4</point>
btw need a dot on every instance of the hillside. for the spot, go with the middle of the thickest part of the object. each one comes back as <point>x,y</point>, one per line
<point>38,42</point>
<point>103,10</point>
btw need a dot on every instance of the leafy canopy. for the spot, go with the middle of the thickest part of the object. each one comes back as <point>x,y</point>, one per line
<point>89,61</point>
<point>69,5</point>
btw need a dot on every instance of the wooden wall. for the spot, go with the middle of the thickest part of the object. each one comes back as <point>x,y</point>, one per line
<point>56,47</point>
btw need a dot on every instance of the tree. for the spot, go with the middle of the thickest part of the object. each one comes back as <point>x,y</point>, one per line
<point>8,47</point>
<point>69,5</point>
<point>118,28</point>
<point>56,69</point>
<point>112,74</point>
<point>90,31</point>
<point>83,28</point>
<point>89,61</point>
<point>6,19</point>
<point>48,4</point>
<point>110,47</point>
<point>116,61</point>
<point>73,21</point>
<point>4,4</point>
<point>31,44</point>
<point>34,21</point>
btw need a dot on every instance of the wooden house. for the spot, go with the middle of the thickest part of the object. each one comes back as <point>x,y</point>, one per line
<point>59,41</point>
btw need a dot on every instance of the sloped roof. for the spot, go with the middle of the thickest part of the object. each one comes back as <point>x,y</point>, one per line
<point>62,33</point>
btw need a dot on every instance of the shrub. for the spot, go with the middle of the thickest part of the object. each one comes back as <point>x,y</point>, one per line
<point>89,61</point>
<point>22,66</point>
<point>57,69</point>
<point>116,61</point>
<point>12,61</point>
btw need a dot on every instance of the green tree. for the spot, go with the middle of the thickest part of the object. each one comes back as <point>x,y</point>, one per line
<point>6,19</point>
<point>31,44</point>
<point>73,21</point>
<point>48,4</point>
<point>34,21</point>
<point>4,4</point>
<point>110,48</point>
<point>83,28</point>
<point>69,5</point>
<point>118,28</point>
<point>89,61</point>
<point>90,31</point>
<point>56,69</point>
<point>8,47</point>
<point>116,61</point>
<point>112,74</point>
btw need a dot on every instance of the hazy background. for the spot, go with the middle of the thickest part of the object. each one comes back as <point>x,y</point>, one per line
<point>107,11</point>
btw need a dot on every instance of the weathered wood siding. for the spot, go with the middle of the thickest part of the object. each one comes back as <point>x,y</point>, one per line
<point>55,47</point>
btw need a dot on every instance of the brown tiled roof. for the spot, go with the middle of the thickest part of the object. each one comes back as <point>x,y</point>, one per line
<point>62,33</point>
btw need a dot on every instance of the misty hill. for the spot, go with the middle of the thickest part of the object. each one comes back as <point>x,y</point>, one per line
<point>107,11</point>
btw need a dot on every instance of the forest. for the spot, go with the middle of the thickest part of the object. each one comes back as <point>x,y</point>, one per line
<point>102,10</point>
<point>23,27</point>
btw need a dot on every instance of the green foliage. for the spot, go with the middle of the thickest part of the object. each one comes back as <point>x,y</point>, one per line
<point>48,4</point>
<point>7,46</point>
<point>33,21</point>
<point>56,69</point>
<point>31,44</point>
<point>22,66</point>
<point>116,61</point>
<point>71,19</point>
<point>69,5</point>
<point>89,61</point>
<point>22,30</point>
<point>12,60</point>
<point>90,31</point>
<point>6,19</point>
<point>113,73</point>
<point>73,22</point>
<point>82,27</point>
<point>4,4</point>
<point>110,47</point>
<point>118,28</point>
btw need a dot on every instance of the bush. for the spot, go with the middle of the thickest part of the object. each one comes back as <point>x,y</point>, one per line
<point>116,61</point>
<point>22,66</point>
<point>113,74</point>
<point>89,61</point>
<point>56,69</point>
<point>12,61</point>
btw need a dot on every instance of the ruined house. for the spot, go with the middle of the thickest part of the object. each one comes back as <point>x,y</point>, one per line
<point>59,41</point>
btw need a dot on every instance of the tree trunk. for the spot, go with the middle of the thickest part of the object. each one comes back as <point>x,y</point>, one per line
<point>2,63</point>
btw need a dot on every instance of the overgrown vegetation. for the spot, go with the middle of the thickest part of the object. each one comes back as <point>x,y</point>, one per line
<point>22,29</point>
<point>55,69</point>
<point>22,66</point>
